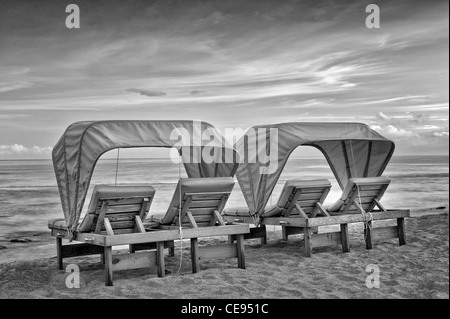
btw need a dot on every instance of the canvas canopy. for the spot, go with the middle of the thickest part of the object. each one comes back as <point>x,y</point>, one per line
<point>351,149</point>
<point>76,153</point>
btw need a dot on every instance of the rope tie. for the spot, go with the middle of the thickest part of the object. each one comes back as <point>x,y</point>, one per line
<point>367,216</point>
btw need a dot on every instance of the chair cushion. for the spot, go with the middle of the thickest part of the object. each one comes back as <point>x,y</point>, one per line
<point>106,191</point>
<point>195,185</point>
<point>287,191</point>
<point>352,182</point>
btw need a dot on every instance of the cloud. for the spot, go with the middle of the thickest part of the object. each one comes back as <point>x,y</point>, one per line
<point>383,116</point>
<point>441,134</point>
<point>150,93</point>
<point>20,149</point>
<point>195,92</point>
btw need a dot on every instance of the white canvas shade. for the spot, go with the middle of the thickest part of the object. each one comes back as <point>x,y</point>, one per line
<point>83,143</point>
<point>340,143</point>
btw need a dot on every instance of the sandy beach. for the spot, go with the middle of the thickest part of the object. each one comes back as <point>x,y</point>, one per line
<point>279,269</point>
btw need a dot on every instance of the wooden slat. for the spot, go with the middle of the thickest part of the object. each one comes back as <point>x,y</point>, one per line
<point>301,211</point>
<point>307,203</point>
<point>144,208</point>
<point>122,209</point>
<point>205,203</point>
<point>326,239</point>
<point>74,250</point>
<point>101,217</point>
<point>119,217</point>
<point>218,251</point>
<point>314,190</point>
<point>119,231</point>
<point>199,218</point>
<point>346,219</point>
<point>369,193</point>
<point>192,219</point>
<point>384,233</point>
<point>292,203</point>
<point>139,225</point>
<point>119,225</point>
<point>219,218</point>
<point>310,196</point>
<point>165,235</point>
<point>207,196</point>
<point>151,246</point>
<point>108,227</point>
<point>134,261</point>
<point>121,201</point>
<point>373,187</point>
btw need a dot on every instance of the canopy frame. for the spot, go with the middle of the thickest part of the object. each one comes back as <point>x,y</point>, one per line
<point>327,137</point>
<point>77,152</point>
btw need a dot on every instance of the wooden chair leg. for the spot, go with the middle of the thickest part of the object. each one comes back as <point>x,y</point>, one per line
<point>284,233</point>
<point>344,238</point>
<point>108,266</point>
<point>160,259</point>
<point>401,231</point>
<point>240,251</point>
<point>172,251</point>
<point>308,245</point>
<point>264,237</point>
<point>368,235</point>
<point>195,256</point>
<point>59,247</point>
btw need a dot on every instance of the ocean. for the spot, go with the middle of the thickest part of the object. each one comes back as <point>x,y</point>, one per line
<point>29,196</point>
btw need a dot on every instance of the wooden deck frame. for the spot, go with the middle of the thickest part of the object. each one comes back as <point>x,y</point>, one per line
<point>207,207</point>
<point>308,226</point>
<point>350,212</point>
<point>153,241</point>
<point>94,244</point>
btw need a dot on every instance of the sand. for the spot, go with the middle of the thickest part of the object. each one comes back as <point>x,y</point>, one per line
<point>279,269</point>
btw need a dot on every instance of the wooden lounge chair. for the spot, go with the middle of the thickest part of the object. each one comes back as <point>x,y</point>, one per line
<point>358,203</point>
<point>298,199</point>
<point>112,212</point>
<point>202,201</point>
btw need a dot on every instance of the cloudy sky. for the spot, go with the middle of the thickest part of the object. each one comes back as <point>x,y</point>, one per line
<point>228,62</point>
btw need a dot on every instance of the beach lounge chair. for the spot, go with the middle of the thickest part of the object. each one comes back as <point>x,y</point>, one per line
<point>201,201</point>
<point>360,202</point>
<point>298,199</point>
<point>112,212</point>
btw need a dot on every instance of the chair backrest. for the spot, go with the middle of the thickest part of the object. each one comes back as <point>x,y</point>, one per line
<point>370,190</point>
<point>117,210</point>
<point>305,194</point>
<point>202,201</point>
